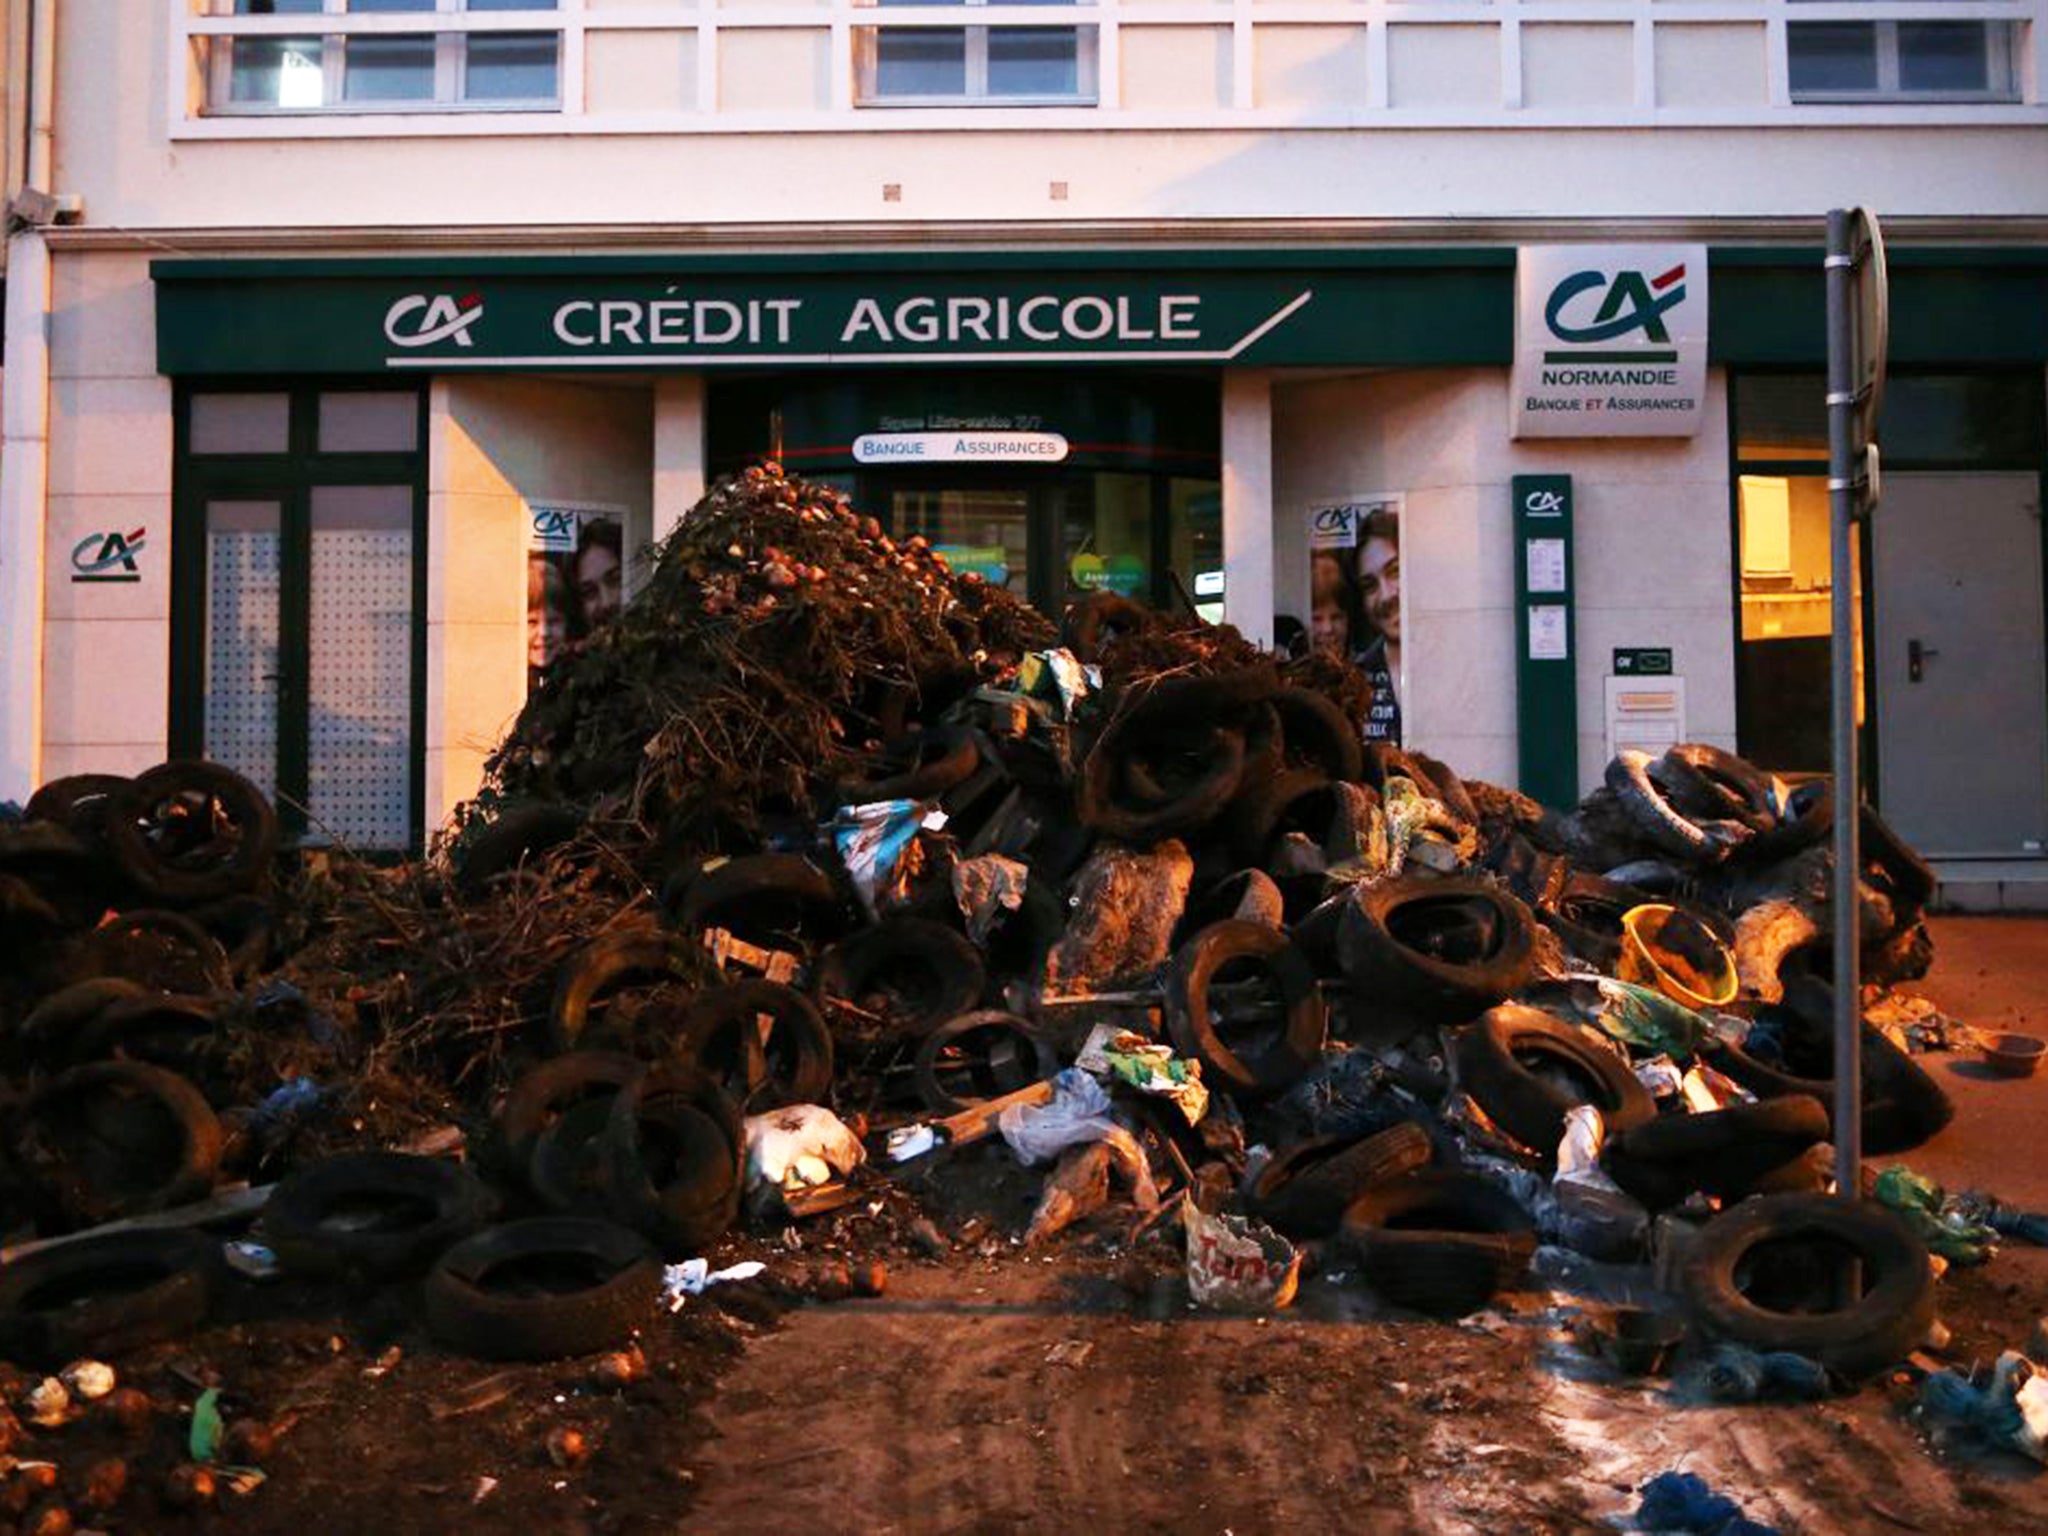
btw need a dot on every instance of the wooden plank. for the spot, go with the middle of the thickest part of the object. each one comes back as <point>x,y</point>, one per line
<point>238,1203</point>
<point>980,1121</point>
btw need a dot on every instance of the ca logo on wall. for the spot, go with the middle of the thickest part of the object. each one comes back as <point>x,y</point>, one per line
<point>1610,340</point>
<point>108,556</point>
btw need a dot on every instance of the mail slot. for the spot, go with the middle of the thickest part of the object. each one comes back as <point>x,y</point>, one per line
<point>1648,719</point>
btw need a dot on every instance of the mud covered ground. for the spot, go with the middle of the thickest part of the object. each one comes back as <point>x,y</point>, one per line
<point>994,1389</point>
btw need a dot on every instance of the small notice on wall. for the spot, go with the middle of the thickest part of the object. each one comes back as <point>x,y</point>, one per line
<point>1547,633</point>
<point>1546,565</point>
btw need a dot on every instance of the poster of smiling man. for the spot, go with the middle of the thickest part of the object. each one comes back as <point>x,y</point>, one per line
<point>1355,597</point>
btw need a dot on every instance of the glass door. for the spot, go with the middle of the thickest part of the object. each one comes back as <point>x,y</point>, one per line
<point>297,603</point>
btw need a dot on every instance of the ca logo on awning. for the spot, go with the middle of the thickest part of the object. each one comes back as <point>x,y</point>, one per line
<point>440,318</point>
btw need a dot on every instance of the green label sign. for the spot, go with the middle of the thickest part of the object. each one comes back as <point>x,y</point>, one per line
<point>221,317</point>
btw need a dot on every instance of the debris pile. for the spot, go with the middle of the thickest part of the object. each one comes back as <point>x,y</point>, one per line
<point>825,863</point>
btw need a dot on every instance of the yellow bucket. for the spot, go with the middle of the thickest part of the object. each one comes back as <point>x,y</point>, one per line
<point>1677,954</point>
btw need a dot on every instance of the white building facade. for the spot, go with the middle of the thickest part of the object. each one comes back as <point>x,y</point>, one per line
<point>344,314</point>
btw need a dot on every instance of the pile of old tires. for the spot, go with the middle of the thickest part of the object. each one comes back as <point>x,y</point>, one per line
<point>1404,991</point>
<point>134,912</point>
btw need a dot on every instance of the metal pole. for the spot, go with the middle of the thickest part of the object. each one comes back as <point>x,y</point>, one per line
<point>1846,906</point>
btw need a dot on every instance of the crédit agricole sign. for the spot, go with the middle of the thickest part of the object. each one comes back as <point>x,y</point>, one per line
<point>1610,340</point>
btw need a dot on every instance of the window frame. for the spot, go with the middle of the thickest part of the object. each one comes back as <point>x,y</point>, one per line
<point>335,26</point>
<point>2001,73</point>
<point>948,15</point>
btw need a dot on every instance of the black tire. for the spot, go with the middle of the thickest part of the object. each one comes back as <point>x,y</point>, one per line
<point>62,867</point>
<point>941,758</point>
<point>25,917</point>
<point>1724,1151</point>
<point>1903,1107</point>
<point>1318,734</point>
<point>1807,818</point>
<point>1091,624</point>
<point>101,1297</point>
<point>246,928</point>
<point>540,1097</point>
<point>1248,896</point>
<point>793,1065</point>
<point>1445,947</point>
<point>1707,781</point>
<point>771,899</point>
<point>145,846</point>
<point>164,950</point>
<point>1305,1189</point>
<point>430,1204</point>
<point>1878,1329</point>
<point>603,967</point>
<point>117,1139</point>
<point>988,1052</point>
<point>567,1169</point>
<point>1252,1069</point>
<point>1586,915</point>
<point>1911,876</point>
<point>1443,1243</point>
<point>1658,821</point>
<point>921,971</point>
<point>51,1030</point>
<point>78,802</point>
<point>166,1031</point>
<point>1301,796</point>
<point>509,1293</point>
<point>1101,806</point>
<point>518,834</point>
<point>1492,1068</point>
<point>673,1149</point>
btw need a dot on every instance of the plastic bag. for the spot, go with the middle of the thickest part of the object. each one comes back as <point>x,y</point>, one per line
<point>1129,1058</point>
<point>986,888</point>
<point>799,1146</point>
<point>873,838</point>
<point>1643,1016</point>
<point>1942,1224</point>
<point>1077,1112</point>
<point>1237,1265</point>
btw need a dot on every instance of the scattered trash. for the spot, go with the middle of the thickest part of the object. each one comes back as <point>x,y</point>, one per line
<point>202,1440</point>
<point>1147,1066</point>
<point>2010,1408</point>
<point>1731,1373</point>
<point>693,1277</point>
<point>799,1146</point>
<point>1069,1352</point>
<point>1943,1224</point>
<point>1078,1112</point>
<point>1237,1265</point>
<point>88,1380</point>
<point>252,1260</point>
<point>907,1142</point>
<point>1683,1501</point>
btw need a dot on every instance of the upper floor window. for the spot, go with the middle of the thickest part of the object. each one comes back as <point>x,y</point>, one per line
<point>382,56</point>
<point>947,65</point>
<point>1901,61</point>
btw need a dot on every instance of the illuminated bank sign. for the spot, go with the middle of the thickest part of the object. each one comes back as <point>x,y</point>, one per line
<point>1610,340</point>
<point>677,327</point>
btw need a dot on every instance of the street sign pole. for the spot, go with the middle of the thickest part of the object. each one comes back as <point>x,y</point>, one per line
<point>1856,304</point>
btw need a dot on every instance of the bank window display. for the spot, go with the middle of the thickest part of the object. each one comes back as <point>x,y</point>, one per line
<point>575,579</point>
<point>297,592</point>
<point>341,65</point>
<point>1355,598</point>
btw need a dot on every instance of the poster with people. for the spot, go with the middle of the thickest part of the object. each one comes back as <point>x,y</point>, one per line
<point>1355,597</point>
<point>575,579</point>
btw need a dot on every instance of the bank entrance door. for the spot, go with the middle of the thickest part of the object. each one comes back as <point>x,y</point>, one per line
<point>1051,536</point>
<point>1961,677</point>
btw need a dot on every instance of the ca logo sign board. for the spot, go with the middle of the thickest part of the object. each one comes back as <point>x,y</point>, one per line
<point>1610,340</point>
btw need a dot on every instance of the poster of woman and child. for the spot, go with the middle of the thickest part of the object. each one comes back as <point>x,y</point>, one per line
<point>1355,597</point>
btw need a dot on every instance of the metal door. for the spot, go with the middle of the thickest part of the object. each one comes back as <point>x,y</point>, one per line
<point>1962,682</point>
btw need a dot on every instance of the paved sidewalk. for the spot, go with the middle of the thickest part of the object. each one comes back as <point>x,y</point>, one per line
<point>1991,972</point>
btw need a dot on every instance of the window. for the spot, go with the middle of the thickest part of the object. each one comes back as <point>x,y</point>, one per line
<point>946,64</point>
<point>1891,61</point>
<point>456,54</point>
